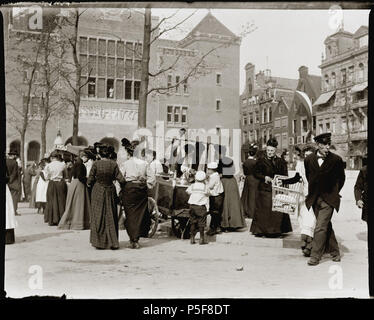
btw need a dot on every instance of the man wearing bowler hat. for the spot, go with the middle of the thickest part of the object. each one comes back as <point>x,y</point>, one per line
<point>325,174</point>
<point>14,178</point>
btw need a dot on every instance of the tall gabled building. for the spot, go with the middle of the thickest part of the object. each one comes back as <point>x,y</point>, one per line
<point>342,106</point>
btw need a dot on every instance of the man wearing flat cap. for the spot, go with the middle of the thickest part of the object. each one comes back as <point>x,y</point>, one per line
<point>14,178</point>
<point>325,174</point>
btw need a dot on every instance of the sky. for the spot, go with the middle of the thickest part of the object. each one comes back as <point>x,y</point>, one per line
<point>283,40</point>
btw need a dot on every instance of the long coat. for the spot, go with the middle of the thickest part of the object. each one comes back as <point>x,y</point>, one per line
<point>361,191</point>
<point>325,181</point>
<point>265,221</point>
<point>248,197</point>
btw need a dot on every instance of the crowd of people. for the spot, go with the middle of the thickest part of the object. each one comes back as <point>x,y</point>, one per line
<point>85,193</point>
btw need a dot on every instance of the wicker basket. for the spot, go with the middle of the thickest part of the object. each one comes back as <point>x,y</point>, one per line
<point>286,198</point>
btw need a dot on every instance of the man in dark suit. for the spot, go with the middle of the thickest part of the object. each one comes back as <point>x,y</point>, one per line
<point>14,178</point>
<point>361,192</point>
<point>325,174</point>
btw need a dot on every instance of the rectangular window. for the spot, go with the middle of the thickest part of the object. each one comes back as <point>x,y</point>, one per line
<point>343,125</point>
<point>294,124</point>
<point>257,117</point>
<point>176,114</point>
<point>111,47</point>
<point>119,89</point>
<point>84,90</point>
<point>128,90</point>
<point>92,65</point>
<point>304,125</point>
<point>218,78</point>
<point>83,44</point>
<point>284,140</point>
<point>102,67</point>
<point>169,84</point>
<point>92,46</point>
<point>129,50</point>
<point>138,50</point>
<point>102,47</point>
<point>270,114</point>
<point>136,90</point>
<point>111,67</point>
<point>333,125</point>
<point>284,122</point>
<point>184,115</point>
<point>344,76</point>
<point>245,120</point>
<point>350,73</point>
<point>327,125</point>
<point>177,80</point>
<point>320,126</point>
<point>277,123</point>
<point>137,69</point>
<point>120,68</point>
<point>185,86</point>
<point>120,49</point>
<point>83,63</point>
<point>101,92</point>
<point>218,105</point>
<point>91,87</point>
<point>110,88</point>
<point>170,114</point>
<point>251,118</point>
<point>34,107</point>
<point>128,69</point>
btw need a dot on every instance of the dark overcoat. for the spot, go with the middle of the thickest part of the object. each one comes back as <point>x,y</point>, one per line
<point>325,181</point>
<point>361,191</point>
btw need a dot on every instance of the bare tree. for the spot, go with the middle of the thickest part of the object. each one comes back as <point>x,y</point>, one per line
<point>24,62</point>
<point>69,31</point>
<point>193,68</point>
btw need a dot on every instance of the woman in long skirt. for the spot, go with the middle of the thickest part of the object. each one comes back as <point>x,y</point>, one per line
<point>78,208</point>
<point>135,196</point>
<point>266,222</point>
<point>104,215</point>
<point>56,191</point>
<point>10,216</point>
<point>232,213</point>
<point>32,203</point>
<point>248,197</point>
<point>41,188</point>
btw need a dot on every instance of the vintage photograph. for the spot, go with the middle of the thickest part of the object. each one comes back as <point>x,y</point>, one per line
<point>186,150</point>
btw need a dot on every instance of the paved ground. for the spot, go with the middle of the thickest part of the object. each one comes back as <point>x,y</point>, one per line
<point>234,265</point>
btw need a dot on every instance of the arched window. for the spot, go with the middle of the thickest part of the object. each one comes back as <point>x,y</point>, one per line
<point>33,151</point>
<point>333,79</point>
<point>327,82</point>
<point>360,72</point>
<point>15,145</point>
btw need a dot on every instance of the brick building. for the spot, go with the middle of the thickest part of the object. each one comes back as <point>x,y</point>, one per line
<point>342,106</point>
<point>301,120</point>
<point>264,108</point>
<point>110,46</point>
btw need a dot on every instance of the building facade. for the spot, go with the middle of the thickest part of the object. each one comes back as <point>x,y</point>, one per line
<point>342,106</point>
<point>264,108</point>
<point>110,53</point>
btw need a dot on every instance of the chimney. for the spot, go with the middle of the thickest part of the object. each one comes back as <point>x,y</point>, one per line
<point>303,72</point>
<point>249,77</point>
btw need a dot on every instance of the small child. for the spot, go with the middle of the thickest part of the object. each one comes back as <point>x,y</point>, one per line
<point>216,198</point>
<point>199,206</point>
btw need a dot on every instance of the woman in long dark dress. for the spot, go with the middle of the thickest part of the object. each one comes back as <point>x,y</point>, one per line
<point>135,196</point>
<point>56,191</point>
<point>266,222</point>
<point>248,197</point>
<point>78,208</point>
<point>232,212</point>
<point>104,215</point>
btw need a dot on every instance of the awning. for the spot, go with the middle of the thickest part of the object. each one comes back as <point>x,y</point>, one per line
<point>305,101</point>
<point>324,98</point>
<point>359,87</point>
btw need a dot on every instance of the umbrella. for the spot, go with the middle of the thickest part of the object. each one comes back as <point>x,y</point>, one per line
<point>75,149</point>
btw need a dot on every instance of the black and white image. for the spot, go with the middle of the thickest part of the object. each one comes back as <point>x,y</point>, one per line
<point>186,150</point>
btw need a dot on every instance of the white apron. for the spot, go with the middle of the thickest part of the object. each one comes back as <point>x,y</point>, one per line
<point>10,217</point>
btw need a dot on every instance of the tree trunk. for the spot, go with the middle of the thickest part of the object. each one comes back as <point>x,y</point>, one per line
<point>43,135</point>
<point>22,149</point>
<point>143,94</point>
